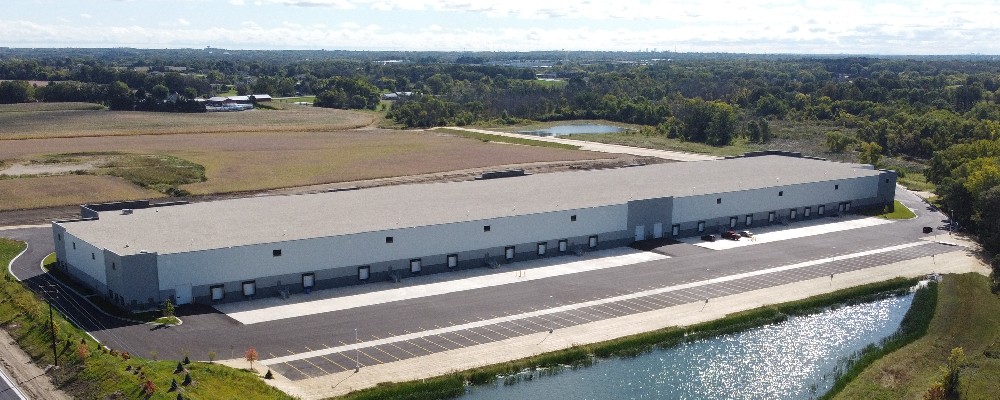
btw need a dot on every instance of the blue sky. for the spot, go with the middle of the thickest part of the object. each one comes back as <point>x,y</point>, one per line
<point>769,26</point>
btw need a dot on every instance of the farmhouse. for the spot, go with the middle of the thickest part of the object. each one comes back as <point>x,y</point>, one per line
<point>264,246</point>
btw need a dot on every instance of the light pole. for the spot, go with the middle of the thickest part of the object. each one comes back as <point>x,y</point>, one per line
<point>357,351</point>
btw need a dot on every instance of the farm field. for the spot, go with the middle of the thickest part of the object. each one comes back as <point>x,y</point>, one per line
<point>48,191</point>
<point>78,123</point>
<point>56,164</point>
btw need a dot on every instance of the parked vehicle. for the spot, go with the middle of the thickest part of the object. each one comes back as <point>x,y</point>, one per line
<point>731,235</point>
<point>708,238</point>
<point>746,234</point>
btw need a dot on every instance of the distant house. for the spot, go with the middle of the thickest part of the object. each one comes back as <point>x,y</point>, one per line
<point>237,100</point>
<point>261,98</point>
<point>216,101</point>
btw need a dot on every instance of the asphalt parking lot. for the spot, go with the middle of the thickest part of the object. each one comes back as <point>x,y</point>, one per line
<point>320,344</point>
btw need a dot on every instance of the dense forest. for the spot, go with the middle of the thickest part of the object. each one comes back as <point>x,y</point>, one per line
<point>942,112</point>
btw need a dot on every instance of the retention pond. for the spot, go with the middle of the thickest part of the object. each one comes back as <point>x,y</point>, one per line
<point>562,130</point>
<point>796,359</point>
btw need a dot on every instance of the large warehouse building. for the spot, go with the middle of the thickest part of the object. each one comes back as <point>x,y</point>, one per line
<point>263,246</point>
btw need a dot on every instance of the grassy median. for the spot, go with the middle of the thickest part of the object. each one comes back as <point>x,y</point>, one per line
<point>90,371</point>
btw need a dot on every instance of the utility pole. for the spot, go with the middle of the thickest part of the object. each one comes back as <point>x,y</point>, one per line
<point>357,351</point>
<point>49,292</point>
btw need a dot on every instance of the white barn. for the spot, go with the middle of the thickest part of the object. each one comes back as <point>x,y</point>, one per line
<point>260,246</point>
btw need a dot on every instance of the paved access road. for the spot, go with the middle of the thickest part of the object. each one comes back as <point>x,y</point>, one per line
<point>602,147</point>
<point>437,323</point>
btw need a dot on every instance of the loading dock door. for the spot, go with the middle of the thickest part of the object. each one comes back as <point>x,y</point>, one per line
<point>218,292</point>
<point>249,288</point>
<point>308,280</point>
<point>182,294</point>
<point>658,230</point>
<point>640,233</point>
<point>508,252</point>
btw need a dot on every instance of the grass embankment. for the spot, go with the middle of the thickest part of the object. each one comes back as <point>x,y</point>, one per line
<point>88,372</point>
<point>452,385</point>
<point>967,316</point>
<point>913,326</point>
<point>899,211</point>
<point>506,139</point>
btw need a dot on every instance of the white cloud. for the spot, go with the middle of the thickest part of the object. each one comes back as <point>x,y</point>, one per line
<point>86,16</point>
<point>238,2</point>
<point>183,22</point>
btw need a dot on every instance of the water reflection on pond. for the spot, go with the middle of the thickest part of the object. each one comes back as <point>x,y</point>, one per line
<point>561,130</point>
<point>795,359</point>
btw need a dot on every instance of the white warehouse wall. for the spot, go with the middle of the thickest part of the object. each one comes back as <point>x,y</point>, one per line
<point>255,261</point>
<point>704,207</point>
<point>80,258</point>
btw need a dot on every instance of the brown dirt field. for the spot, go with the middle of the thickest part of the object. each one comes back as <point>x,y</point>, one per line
<point>59,190</point>
<point>258,161</point>
<point>80,123</point>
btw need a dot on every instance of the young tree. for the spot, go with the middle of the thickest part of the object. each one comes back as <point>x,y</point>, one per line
<point>168,308</point>
<point>251,356</point>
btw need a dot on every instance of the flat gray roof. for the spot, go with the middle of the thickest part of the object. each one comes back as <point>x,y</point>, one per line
<point>269,219</point>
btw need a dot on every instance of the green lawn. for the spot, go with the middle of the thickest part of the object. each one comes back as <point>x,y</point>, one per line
<point>89,371</point>
<point>967,316</point>
<point>899,211</point>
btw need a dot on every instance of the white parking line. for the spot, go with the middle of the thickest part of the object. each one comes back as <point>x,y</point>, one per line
<point>553,312</point>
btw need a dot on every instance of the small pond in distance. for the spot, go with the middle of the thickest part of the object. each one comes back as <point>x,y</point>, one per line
<point>795,359</point>
<point>562,130</point>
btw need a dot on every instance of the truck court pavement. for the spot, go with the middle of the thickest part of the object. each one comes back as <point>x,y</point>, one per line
<point>319,344</point>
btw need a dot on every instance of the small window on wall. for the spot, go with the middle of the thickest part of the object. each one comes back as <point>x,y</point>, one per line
<point>770,216</point>
<point>74,245</point>
<point>452,260</point>
<point>572,218</point>
<point>388,239</point>
<point>718,200</point>
<point>486,228</point>
<point>59,236</point>
<point>113,266</point>
<point>563,245</point>
<point>276,253</point>
<point>820,209</point>
<point>93,256</point>
<point>675,230</point>
<point>701,226</point>
<point>218,292</point>
<point>308,280</point>
<point>541,249</point>
<point>592,241</point>
<point>781,193</point>
<point>364,272</point>
<point>249,288</point>
<point>749,220</point>
<point>836,187</point>
<point>508,252</point>
<point>415,265</point>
